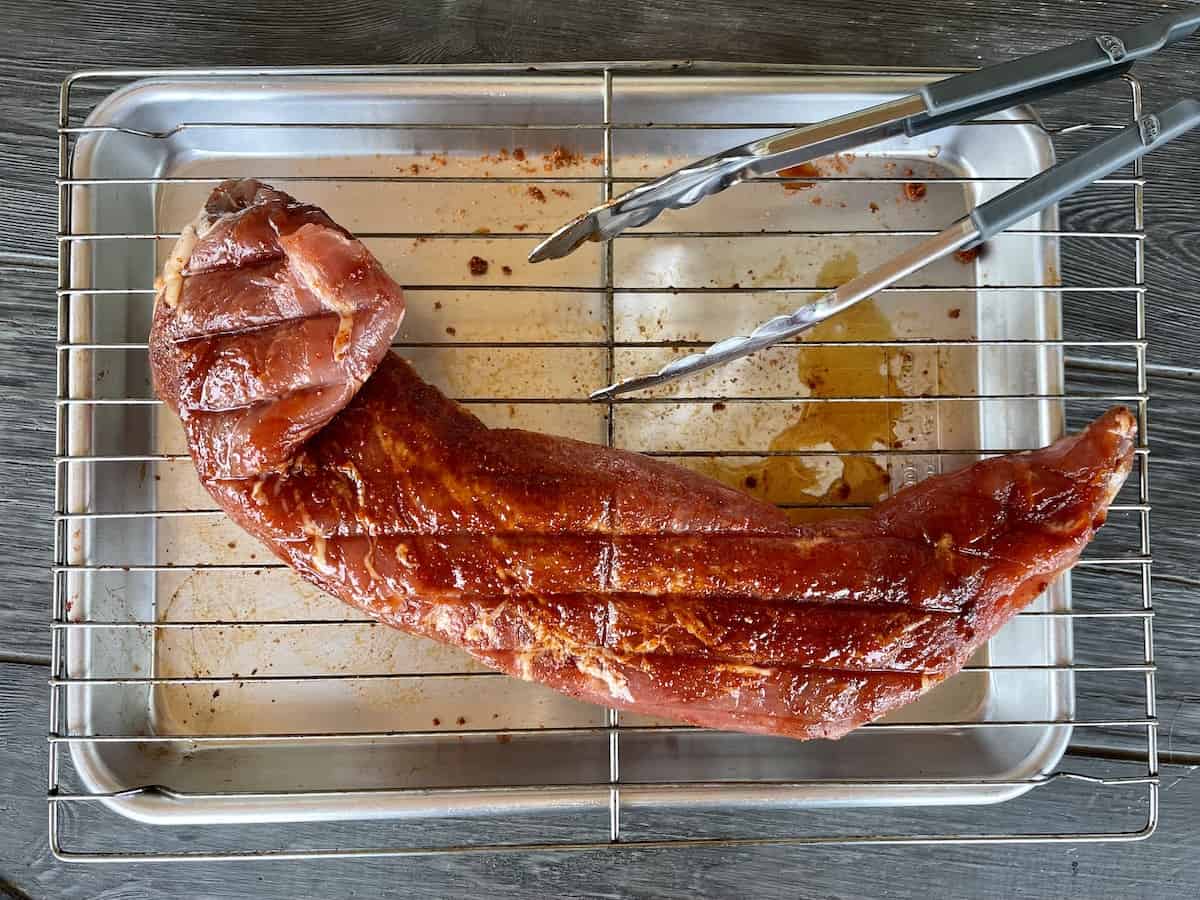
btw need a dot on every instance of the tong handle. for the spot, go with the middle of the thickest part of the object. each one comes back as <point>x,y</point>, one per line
<point>1130,143</point>
<point>1049,72</point>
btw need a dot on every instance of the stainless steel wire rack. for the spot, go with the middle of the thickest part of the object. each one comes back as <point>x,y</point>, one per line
<point>564,778</point>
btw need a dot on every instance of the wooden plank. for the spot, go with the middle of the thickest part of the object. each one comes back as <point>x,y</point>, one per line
<point>26,472</point>
<point>1166,866</point>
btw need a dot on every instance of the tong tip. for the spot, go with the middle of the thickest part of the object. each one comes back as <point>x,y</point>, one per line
<point>638,383</point>
<point>566,239</point>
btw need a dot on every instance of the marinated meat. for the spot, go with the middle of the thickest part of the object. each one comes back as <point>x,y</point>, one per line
<point>267,319</point>
<point>607,575</point>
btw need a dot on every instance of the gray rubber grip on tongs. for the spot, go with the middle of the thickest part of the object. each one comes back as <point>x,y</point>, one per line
<point>990,87</point>
<point>1029,197</point>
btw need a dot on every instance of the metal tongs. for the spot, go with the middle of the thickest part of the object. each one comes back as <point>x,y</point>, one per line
<point>935,106</point>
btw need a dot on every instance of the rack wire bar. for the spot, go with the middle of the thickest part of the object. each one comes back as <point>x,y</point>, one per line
<point>630,785</point>
<point>1140,722</point>
<point>697,289</point>
<point>201,513</point>
<point>612,791</point>
<point>643,235</point>
<point>681,454</point>
<point>82,624</point>
<point>1097,561</point>
<point>717,398</point>
<point>394,676</point>
<point>606,127</point>
<point>581,345</point>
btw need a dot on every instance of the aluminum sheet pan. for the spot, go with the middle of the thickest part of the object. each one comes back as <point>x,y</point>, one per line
<point>450,725</point>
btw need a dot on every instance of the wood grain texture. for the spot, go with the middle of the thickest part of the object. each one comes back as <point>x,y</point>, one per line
<point>26,473</point>
<point>1167,866</point>
<point>72,34</point>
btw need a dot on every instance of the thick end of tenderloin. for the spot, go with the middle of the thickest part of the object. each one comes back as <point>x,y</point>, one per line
<point>267,320</point>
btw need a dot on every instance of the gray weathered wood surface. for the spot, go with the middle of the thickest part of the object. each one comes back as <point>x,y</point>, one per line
<point>47,41</point>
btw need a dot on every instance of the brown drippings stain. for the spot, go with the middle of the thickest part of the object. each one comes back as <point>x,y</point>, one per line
<point>507,270</point>
<point>437,722</point>
<point>830,372</point>
<point>519,154</point>
<point>478,265</point>
<point>840,162</point>
<point>874,207</point>
<point>536,193</point>
<point>559,192</point>
<point>483,229</point>
<point>560,157</point>
<point>503,738</point>
<point>966,257</point>
<point>461,721</point>
<point>914,190</point>
<point>451,330</point>
<point>804,170</point>
<point>520,227</point>
<point>954,313</point>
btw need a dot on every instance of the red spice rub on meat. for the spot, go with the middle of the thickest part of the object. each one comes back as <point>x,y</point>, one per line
<point>610,576</point>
